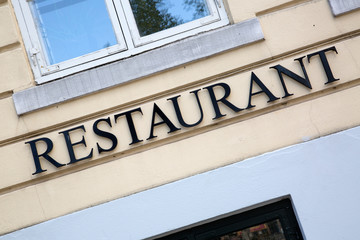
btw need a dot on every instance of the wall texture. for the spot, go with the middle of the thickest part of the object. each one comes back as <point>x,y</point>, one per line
<point>290,30</point>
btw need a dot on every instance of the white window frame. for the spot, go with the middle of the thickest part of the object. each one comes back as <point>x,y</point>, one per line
<point>138,40</point>
<point>130,42</point>
<point>37,52</point>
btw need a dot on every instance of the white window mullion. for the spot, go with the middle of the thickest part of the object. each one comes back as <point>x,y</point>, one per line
<point>116,24</point>
<point>119,8</point>
<point>139,40</point>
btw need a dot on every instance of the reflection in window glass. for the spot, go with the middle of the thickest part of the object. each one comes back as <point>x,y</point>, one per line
<point>72,28</point>
<point>155,15</point>
<point>267,231</point>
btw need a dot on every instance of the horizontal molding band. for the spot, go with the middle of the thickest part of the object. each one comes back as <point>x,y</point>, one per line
<point>164,58</point>
<point>252,65</point>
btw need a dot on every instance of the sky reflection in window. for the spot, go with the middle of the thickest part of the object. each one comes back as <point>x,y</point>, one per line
<point>72,28</point>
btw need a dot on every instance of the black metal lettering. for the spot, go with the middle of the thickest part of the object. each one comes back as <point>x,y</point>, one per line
<point>178,111</point>
<point>131,124</point>
<point>70,145</point>
<point>166,120</point>
<point>325,63</point>
<point>105,134</point>
<point>264,89</point>
<point>36,155</point>
<point>302,80</point>
<point>224,100</point>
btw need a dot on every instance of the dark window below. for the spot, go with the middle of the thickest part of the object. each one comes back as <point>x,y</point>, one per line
<point>275,221</point>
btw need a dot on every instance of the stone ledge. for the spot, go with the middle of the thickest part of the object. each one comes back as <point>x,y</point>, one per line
<point>164,58</point>
<point>339,7</point>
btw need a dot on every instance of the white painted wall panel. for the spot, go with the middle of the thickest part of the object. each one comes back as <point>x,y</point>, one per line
<point>321,176</point>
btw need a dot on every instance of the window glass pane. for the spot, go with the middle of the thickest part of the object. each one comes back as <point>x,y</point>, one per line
<point>72,28</point>
<point>267,231</point>
<point>155,15</point>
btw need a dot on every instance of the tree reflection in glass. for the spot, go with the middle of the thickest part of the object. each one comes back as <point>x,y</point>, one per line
<point>152,16</point>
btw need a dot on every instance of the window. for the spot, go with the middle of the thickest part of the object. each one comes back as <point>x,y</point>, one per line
<point>275,221</point>
<point>71,35</point>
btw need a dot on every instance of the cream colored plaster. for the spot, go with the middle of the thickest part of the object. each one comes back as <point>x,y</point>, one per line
<point>242,10</point>
<point>342,109</point>
<point>14,168</point>
<point>304,25</point>
<point>148,88</point>
<point>348,22</point>
<point>12,125</point>
<point>22,46</point>
<point>19,208</point>
<point>136,90</point>
<point>353,48</point>
<point>342,64</point>
<point>132,93</point>
<point>287,29</point>
<point>7,27</point>
<point>13,70</point>
<point>157,166</point>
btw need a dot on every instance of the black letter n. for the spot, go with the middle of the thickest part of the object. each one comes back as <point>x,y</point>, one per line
<point>45,155</point>
<point>302,80</point>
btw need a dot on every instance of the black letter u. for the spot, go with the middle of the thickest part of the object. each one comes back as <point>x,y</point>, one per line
<point>178,111</point>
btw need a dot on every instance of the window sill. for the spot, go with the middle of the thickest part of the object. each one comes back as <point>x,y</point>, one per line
<point>157,60</point>
<point>339,7</point>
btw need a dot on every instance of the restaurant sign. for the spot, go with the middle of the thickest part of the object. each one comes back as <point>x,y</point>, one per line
<point>159,117</point>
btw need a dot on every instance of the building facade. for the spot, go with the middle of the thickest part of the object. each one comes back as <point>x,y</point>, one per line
<point>206,127</point>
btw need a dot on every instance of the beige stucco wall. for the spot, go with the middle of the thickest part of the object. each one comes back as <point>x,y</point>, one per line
<point>292,29</point>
